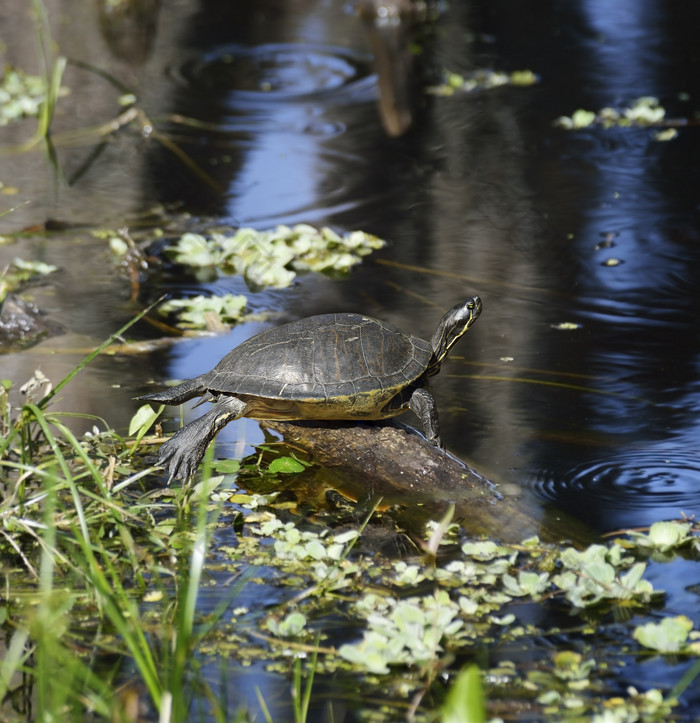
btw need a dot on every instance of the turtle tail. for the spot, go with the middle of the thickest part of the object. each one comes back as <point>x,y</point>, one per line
<point>178,394</point>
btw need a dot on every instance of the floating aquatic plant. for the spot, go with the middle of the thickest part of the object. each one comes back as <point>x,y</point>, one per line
<point>645,111</point>
<point>264,259</point>
<point>664,536</point>
<point>203,312</point>
<point>21,271</point>
<point>21,95</point>
<point>274,258</point>
<point>671,635</point>
<point>481,80</point>
<point>409,618</point>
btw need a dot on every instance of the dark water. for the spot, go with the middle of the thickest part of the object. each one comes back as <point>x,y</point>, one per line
<point>483,195</point>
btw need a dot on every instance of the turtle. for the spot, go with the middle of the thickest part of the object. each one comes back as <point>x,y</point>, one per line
<point>339,366</point>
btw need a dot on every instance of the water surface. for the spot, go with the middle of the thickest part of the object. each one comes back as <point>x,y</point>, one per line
<point>596,230</point>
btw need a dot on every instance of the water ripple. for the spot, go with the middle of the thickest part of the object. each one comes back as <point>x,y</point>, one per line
<point>278,72</point>
<point>664,482</point>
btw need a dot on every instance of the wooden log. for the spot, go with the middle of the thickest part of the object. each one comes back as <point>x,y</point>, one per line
<point>394,462</point>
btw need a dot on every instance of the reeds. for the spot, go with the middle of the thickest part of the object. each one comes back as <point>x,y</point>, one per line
<point>72,522</point>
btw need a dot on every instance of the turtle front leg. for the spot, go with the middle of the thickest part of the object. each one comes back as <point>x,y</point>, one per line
<point>181,454</point>
<point>422,404</point>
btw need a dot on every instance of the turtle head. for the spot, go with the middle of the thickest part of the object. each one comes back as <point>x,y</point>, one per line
<point>451,328</point>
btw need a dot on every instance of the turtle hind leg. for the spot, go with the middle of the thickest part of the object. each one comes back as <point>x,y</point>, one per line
<point>181,454</point>
<point>178,394</point>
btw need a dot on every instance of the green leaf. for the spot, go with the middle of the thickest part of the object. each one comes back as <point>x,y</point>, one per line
<point>34,268</point>
<point>292,625</point>
<point>315,550</point>
<point>371,660</point>
<point>226,466</point>
<point>482,549</point>
<point>523,77</point>
<point>202,490</point>
<point>193,249</point>
<point>569,665</point>
<point>668,636</point>
<point>601,572</point>
<point>633,577</point>
<point>273,258</point>
<point>198,312</point>
<point>21,95</point>
<point>527,583</point>
<point>141,421</point>
<point>285,465</point>
<point>582,118</point>
<point>347,536</point>
<point>666,535</point>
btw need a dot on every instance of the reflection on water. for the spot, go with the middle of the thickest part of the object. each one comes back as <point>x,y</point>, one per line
<point>616,252</point>
<point>281,115</point>
<point>638,312</point>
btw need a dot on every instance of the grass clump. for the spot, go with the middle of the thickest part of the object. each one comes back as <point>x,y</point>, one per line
<point>81,553</point>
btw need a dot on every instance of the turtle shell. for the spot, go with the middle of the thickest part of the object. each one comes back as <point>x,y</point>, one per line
<point>351,365</point>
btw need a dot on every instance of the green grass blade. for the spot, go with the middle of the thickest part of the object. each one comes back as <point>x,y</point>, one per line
<point>306,699</point>
<point>117,605</point>
<point>685,681</point>
<point>465,699</point>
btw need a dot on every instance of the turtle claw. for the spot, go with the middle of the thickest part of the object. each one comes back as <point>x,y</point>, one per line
<point>436,442</point>
<point>181,454</point>
<point>178,458</point>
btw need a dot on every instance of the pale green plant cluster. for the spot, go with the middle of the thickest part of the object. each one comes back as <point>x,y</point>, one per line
<point>21,95</point>
<point>483,79</point>
<point>407,631</point>
<point>483,582</point>
<point>264,259</point>
<point>21,271</point>
<point>664,538</point>
<point>201,312</point>
<point>564,686</point>
<point>671,635</point>
<point>596,574</point>
<point>645,111</point>
<point>274,258</point>
<point>468,601</point>
<point>292,544</point>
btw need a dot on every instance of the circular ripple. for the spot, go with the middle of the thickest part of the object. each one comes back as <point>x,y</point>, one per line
<point>637,479</point>
<point>275,72</point>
